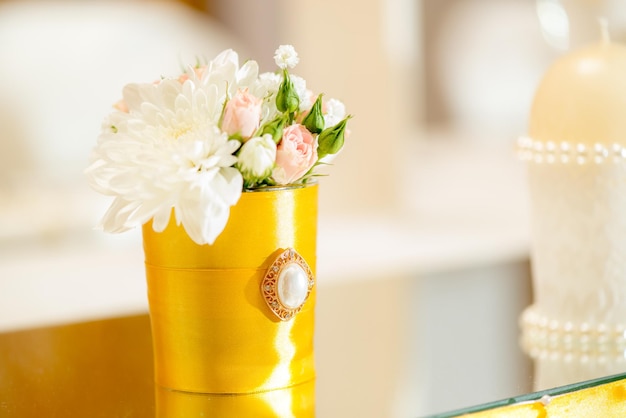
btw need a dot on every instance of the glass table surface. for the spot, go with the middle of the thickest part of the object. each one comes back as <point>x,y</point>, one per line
<point>104,368</point>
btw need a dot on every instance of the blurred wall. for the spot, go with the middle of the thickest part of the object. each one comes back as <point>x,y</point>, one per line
<point>346,50</point>
<point>64,64</point>
<point>363,53</point>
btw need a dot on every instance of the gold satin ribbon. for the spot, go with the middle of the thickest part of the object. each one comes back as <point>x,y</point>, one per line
<point>212,330</point>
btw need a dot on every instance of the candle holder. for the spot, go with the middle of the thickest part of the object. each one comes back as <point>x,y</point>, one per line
<point>576,156</point>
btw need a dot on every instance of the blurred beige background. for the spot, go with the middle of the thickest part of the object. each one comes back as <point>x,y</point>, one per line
<point>423,241</point>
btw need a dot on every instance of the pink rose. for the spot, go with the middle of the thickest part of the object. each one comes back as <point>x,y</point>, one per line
<point>242,114</point>
<point>295,155</point>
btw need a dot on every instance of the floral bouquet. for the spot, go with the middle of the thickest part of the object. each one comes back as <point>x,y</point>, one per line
<point>179,155</point>
<point>194,142</point>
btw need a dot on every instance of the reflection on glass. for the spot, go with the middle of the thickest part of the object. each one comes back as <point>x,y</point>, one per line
<point>297,401</point>
<point>604,397</point>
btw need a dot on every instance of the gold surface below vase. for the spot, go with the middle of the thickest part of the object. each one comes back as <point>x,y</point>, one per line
<point>213,329</point>
<point>295,401</point>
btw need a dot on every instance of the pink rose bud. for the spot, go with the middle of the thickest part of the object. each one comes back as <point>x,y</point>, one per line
<point>242,115</point>
<point>295,155</point>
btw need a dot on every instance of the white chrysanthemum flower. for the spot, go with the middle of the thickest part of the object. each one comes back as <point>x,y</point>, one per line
<point>286,57</point>
<point>167,152</point>
<point>224,74</point>
<point>335,112</point>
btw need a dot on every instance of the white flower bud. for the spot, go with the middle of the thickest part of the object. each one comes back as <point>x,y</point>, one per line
<point>256,159</point>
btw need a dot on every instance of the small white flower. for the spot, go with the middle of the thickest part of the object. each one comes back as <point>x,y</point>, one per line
<point>256,158</point>
<point>266,83</point>
<point>335,112</point>
<point>299,84</point>
<point>266,87</point>
<point>286,57</point>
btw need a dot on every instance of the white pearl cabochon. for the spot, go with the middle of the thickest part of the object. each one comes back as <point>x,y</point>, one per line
<point>292,286</point>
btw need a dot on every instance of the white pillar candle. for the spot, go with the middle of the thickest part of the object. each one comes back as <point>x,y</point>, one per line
<point>575,330</point>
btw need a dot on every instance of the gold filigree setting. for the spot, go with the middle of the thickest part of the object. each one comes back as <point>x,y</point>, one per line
<point>287,284</point>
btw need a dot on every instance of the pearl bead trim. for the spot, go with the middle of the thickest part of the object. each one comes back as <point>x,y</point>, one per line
<point>565,152</point>
<point>543,337</point>
<point>270,283</point>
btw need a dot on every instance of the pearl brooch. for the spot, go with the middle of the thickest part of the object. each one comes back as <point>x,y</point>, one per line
<point>287,284</point>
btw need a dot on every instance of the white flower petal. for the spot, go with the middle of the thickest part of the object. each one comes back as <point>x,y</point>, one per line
<point>170,91</point>
<point>203,217</point>
<point>229,184</point>
<point>225,58</point>
<point>114,219</point>
<point>132,97</point>
<point>143,213</point>
<point>247,74</point>
<point>161,219</point>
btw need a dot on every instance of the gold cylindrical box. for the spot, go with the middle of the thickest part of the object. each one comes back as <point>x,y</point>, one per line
<point>212,329</point>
